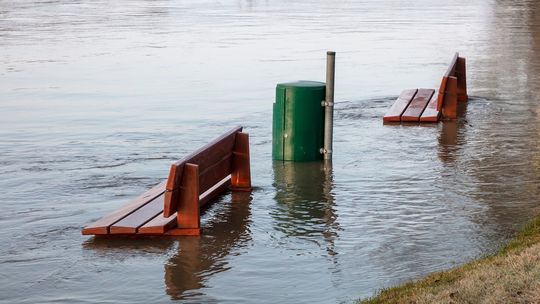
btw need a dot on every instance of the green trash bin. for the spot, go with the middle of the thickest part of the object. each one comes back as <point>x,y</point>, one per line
<point>298,121</point>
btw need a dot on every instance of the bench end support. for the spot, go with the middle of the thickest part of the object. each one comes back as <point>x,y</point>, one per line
<point>188,215</point>
<point>461,75</point>
<point>449,109</point>
<point>241,172</point>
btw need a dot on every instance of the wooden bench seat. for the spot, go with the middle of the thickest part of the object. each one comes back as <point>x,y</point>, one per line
<point>431,114</point>
<point>173,206</point>
<point>400,105</point>
<point>417,105</point>
<point>427,105</point>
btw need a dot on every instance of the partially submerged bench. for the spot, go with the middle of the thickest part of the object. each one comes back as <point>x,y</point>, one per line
<point>173,207</point>
<point>428,105</point>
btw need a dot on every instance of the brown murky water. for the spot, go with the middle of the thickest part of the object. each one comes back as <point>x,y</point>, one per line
<point>97,98</point>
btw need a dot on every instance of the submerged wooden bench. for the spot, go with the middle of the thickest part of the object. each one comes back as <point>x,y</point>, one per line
<point>428,105</point>
<point>173,206</point>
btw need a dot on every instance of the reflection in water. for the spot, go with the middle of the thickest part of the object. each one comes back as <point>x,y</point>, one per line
<point>305,203</point>
<point>534,76</point>
<point>198,259</point>
<point>503,164</point>
<point>104,246</point>
<point>452,131</point>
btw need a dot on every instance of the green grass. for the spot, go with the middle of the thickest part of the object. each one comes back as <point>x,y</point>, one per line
<point>512,275</point>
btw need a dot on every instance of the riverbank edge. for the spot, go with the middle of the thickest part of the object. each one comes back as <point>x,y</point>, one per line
<point>510,275</point>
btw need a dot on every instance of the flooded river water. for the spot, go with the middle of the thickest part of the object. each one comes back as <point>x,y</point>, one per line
<point>97,98</point>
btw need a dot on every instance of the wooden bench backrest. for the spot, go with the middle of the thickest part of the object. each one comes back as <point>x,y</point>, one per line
<point>214,162</point>
<point>451,71</point>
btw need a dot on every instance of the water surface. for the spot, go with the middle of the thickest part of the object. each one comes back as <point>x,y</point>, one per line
<point>99,97</point>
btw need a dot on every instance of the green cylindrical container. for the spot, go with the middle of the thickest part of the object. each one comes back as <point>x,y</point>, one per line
<point>298,121</point>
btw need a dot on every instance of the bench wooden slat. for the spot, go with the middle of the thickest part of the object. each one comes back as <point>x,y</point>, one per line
<point>130,223</point>
<point>214,191</point>
<point>102,225</point>
<point>161,224</point>
<point>216,149</point>
<point>214,174</point>
<point>417,105</point>
<point>399,106</point>
<point>451,71</point>
<point>431,114</point>
<point>205,157</point>
<point>158,225</point>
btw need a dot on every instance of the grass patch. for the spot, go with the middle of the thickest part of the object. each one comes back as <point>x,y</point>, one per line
<point>512,275</point>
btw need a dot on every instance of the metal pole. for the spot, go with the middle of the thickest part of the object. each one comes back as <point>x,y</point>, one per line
<point>329,104</point>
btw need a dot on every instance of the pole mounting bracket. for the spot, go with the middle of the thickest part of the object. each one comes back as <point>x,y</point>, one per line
<point>325,103</point>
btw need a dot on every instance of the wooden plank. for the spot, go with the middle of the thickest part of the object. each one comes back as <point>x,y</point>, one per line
<point>102,225</point>
<point>130,223</point>
<point>214,152</point>
<point>449,109</point>
<point>241,165</point>
<point>204,157</point>
<point>158,225</point>
<point>215,191</point>
<point>417,105</point>
<point>172,196</point>
<point>440,96</point>
<point>399,106</point>
<point>452,66</point>
<point>214,174</point>
<point>431,114</point>
<point>188,215</point>
<point>161,224</point>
